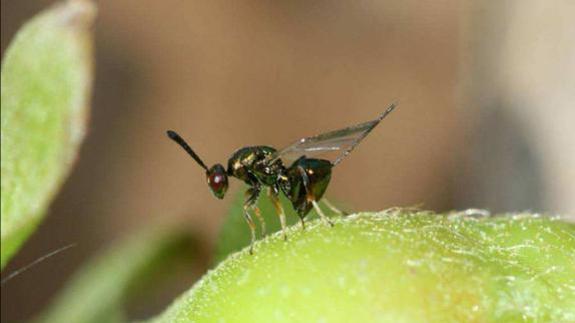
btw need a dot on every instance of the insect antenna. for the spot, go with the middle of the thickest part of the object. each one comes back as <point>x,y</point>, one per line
<point>365,133</point>
<point>180,141</point>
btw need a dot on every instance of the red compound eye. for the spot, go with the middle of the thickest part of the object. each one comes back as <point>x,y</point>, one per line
<point>218,180</point>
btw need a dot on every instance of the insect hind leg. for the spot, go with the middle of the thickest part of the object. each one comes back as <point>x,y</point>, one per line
<point>322,215</point>
<point>311,198</point>
<point>333,207</point>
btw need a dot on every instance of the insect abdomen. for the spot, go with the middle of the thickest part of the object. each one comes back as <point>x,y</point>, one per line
<point>318,172</point>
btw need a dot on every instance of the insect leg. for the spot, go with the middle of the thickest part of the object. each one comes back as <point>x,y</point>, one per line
<point>252,226</point>
<point>311,198</point>
<point>323,217</point>
<point>302,221</point>
<point>333,207</point>
<point>273,194</point>
<point>258,214</point>
<point>251,196</point>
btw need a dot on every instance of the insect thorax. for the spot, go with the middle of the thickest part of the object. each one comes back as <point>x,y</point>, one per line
<point>249,165</point>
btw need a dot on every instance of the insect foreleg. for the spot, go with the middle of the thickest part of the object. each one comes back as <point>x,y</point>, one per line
<point>257,188</point>
<point>251,197</point>
<point>273,193</point>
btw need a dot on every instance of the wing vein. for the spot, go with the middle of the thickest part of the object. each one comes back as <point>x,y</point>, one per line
<point>345,139</point>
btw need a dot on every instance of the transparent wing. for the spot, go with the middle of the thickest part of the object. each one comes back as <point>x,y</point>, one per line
<point>343,140</point>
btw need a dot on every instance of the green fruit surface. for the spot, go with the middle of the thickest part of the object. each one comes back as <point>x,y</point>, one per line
<point>396,266</point>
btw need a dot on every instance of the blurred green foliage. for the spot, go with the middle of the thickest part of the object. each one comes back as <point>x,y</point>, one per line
<point>45,82</point>
<point>97,292</point>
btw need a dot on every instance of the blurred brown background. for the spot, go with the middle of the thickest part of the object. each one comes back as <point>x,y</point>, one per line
<point>485,118</point>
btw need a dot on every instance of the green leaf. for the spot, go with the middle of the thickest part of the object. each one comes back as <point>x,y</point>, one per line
<point>396,266</point>
<point>97,292</point>
<point>45,86</point>
<point>235,233</point>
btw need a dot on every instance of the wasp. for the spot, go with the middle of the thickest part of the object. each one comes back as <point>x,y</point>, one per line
<point>292,171</point>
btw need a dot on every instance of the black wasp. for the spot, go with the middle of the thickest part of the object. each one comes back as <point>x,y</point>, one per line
<point>291,170</point>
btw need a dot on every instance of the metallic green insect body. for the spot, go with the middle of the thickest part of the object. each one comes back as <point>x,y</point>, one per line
<point>291,171</point>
